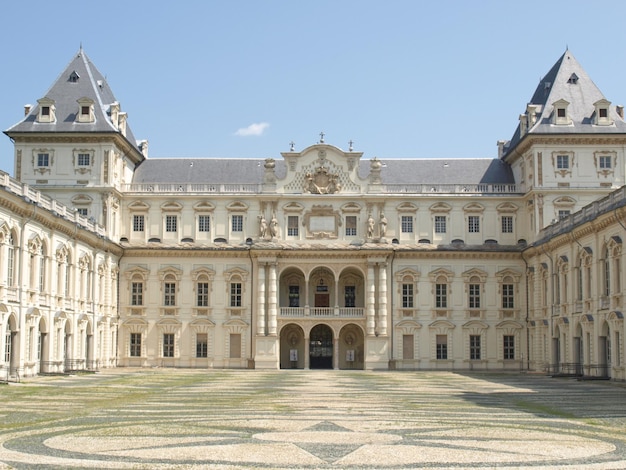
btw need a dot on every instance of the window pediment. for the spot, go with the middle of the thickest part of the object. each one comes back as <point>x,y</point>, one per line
<point>474,207</point>
<point>440,207</point>
<point>237,206</point>
<point>134,271</point>
<point>171,206</point>
<point>441,272</point>
<point>138,206</point>
<point>351,207</point>
<point>407,207</point>
<point>204,206</point>
<point>475,272</point>
<point>170,270</point>
<point>236,273</point>
<point>507,207</point>
<point>293,207</point>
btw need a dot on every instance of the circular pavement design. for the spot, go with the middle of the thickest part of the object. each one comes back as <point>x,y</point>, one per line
<point>280,421</point>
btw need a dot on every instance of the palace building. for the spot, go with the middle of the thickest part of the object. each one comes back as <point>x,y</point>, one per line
<point>319,257</point>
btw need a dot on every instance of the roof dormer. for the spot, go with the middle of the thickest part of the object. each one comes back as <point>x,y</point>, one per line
<point>602,117</point>
<point>85,110</point>
<point>47,110</point>
<point>560,116</point>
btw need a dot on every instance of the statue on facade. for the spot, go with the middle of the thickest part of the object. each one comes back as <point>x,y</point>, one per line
<point>274,227</point>
<point>370,226</point>
<point>262,227</point>
<point>383,225</point>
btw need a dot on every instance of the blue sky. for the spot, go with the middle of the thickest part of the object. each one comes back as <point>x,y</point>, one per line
<point>441,79</point>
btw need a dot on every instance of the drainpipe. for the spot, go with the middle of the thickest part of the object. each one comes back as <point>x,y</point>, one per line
<point>391,297</point>
<point>251,356</point>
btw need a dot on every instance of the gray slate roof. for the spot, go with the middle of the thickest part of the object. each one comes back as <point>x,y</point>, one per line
<point>581,95</point>
<point>91,84</point>
<point>250,171</point>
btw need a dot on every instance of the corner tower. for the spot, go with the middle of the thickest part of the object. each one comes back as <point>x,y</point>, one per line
<point>568,148</point>
<point>75,144</point>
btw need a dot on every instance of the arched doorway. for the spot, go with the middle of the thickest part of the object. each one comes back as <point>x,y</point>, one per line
<point>42,346</point>
<point>579,355</point>
<point>321,347</point>
<point>604,351</point>
<point>292,347</point>
<point>351,346</point>
<point>11,347</point>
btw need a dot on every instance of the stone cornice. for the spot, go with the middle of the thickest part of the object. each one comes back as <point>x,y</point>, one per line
<point>565,139</point>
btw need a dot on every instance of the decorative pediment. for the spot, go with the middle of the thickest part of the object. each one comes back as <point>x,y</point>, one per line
<point>407,273</point>
<point>171,206</point>
<point>474,207</point>
<point>440,207</point>
<point>503,274</point>
<point>507,207</point>
<point>293,207</point>
<point>170,270</point>
<point>564,201</point>
<point>82,199</point>
<point>441,326</point>
<point>475,272</point>
<point>204,206</point>
<point>236,273</point>
<point>237,206</point>
<point>138,206</point>
<point>351,207</point>
<point>441,272</point>
<point>407,207</point>
<point>134,271</point>
<point>475,325</point>
<point>200,272</point>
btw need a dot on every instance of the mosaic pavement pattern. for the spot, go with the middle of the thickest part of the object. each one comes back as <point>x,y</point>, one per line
<point>179,419</point>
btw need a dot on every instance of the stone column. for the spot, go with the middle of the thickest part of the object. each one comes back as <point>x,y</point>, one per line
<point>272,301</point>
<point>260,325</point>
<point>382,299</point>
<point>335,353</point>
<point>371,301</point>
<point>307,359</point>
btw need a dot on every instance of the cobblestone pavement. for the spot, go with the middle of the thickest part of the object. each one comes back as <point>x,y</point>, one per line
<point>178,419</point>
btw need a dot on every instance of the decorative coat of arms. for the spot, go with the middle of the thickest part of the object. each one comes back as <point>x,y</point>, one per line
<point>321,182</point>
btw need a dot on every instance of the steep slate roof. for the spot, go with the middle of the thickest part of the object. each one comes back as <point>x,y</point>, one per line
<point>90,84</point>
<point>581,95</point>
<point>398,171</point>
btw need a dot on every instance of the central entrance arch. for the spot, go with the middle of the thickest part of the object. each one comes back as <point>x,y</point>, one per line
<point>321,347</point>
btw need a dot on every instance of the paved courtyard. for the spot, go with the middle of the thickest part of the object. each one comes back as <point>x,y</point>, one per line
<point>167,418</point>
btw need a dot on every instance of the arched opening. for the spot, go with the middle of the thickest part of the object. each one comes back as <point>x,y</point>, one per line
<point>556,351</point>
<point>322,292</point>
<point>321,347</point>
<point>42,346</point>
<point>67,347</point>
<point>351,347</point>
<point>292,347</point>
<point>604,351</point>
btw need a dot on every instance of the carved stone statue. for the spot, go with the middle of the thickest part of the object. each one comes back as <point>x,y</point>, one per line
<point>383,225</point>
<point>274,227</point>
<point>370,226</point>
<point>262,226</point>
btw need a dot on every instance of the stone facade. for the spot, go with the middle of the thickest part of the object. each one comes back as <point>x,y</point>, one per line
<point>319,258</point>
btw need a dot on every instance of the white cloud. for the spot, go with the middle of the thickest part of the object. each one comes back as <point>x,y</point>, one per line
<point>253,129</point>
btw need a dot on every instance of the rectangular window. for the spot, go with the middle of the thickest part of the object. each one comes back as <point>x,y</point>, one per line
<point>83,159</point>
<point>603,112</point>
<point>84,110</point>
<point>202,345</point>
<point>507,224</point>
<point>350,296</point>
<point>235,294</point>
<point>45,110</point>
<point>169,290</point>
<point>407,296</point>
<point>292,226</point>
<point>171,223</point>
<point>235,345</point>
<point>406,224</point>
<point>408,348</point>
<point>440,224</point>
<point>473,224</point>
<point>562,162</point>
<point>135,344</point>
<point>508,298</point>
<point>509,347</point>
<point>237,223</point>
<point>294,296</point>
<point>136,293</point>
<point>204,223</point>
<point>202,294</point>
<point>474,347</point>
<point>82,211</point>
<point>441,295</point>
<point>139,223</point>
<point>605,162</point>
<point>351,226</point>
<point>560,112</point>
<point>563,214</point>
<point>168,344</point>
<point>474,296</point>
<point>442,346</point>
<point>43,159</point>
<point>10,264</point>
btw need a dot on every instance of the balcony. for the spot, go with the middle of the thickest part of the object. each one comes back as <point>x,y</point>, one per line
<point>322,312</point>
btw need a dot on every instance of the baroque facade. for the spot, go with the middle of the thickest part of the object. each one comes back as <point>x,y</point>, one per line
<point>318,258</point>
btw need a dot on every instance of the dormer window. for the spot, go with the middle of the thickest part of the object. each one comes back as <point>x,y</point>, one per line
<point>74,77</point>
<point>561,115</point>
<point>573,79</point>
<point>46,110</point>
<point>85,110</point>
<point>602,113</point>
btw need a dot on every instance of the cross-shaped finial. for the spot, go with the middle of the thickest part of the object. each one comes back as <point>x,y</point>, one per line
<point>322,137</point>
<point>292,145</point>
<point>350,145</point>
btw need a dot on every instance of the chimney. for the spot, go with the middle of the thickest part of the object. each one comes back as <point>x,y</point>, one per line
<point>501,148</point>
<point>620,110</point>
<point>27,108</point>
<point>143,146</point>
